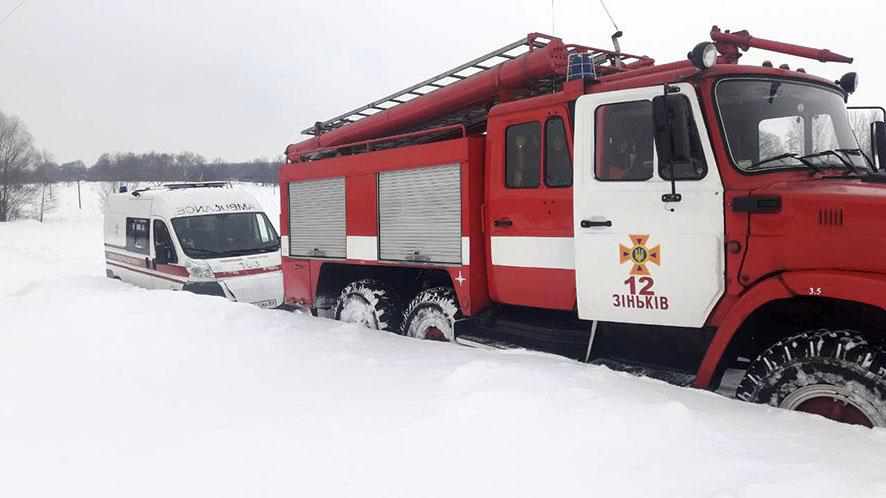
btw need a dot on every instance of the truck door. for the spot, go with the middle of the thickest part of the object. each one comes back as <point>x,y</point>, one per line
<point>529,209</point>
<point>641,257</point>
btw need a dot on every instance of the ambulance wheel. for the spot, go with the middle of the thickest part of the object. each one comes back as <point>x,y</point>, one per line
<point>835,374</point>
<point>369,303</point>
<point>432,315</point>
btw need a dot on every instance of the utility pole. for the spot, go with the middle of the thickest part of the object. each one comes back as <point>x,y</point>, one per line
<point>42,202</point>
<point>79,202</point>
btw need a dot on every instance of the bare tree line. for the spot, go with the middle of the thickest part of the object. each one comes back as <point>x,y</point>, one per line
<point>17,157</point>
<point>24,171</point>
<point>186,166</point>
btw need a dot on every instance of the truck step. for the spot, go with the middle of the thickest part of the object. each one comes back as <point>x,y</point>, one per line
<point>486,343</point>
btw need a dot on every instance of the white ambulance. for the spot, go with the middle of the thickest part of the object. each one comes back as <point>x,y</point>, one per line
<point>208,238</point>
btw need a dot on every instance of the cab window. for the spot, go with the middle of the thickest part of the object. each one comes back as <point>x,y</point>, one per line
<point>558,164</point>
<point>523,155</point>
<point>137,235</point>
<point>624,141</point>
<point>164,249</point>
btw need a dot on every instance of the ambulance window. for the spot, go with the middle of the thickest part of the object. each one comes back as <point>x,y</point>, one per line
<point>558,165</point>
<point>137,235</point>
<point>624,141</point>
<point>523,155</point>
<point>164,249</point>
<point>265,230</point>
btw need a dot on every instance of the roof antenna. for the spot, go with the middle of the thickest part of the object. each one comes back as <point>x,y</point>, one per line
<point>615,36</point>
<point>553,31</point>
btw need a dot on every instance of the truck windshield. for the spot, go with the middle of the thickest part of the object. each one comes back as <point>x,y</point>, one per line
<point>773,124</point>
<point>224,235</point>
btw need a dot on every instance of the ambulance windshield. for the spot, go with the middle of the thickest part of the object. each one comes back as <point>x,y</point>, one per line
<point>225,235</point>
<point>776,124</point>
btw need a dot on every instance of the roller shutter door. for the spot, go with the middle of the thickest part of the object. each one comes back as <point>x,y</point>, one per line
<point>420,214</point>
<point>317,218</point>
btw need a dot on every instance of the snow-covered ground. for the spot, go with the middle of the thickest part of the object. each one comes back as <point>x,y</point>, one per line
<point>107,390</point>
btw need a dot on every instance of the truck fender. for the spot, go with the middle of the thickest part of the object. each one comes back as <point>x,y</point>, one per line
<point>846,286</point>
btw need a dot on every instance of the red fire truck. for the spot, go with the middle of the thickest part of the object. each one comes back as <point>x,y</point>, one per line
<point>689,217</point>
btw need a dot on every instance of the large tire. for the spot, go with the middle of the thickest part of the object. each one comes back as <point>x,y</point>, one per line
<point>432,315</point>
<point>836,374</point>
<point>369,303</point>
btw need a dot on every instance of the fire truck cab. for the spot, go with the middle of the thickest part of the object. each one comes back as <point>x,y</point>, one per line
<point>692,216</point>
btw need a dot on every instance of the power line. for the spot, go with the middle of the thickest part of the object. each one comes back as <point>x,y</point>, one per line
<point>8,15</point>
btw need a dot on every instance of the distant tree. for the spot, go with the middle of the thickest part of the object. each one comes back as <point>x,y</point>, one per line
<point>794,139</point>
<point>860,121</point>
<point>770,145</point>
<point>73,171</point>
<point>17,157</point>
<point>45,169</point>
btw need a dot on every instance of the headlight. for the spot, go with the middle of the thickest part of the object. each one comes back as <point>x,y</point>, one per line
<point>199,270</point>
<point>704,55</point>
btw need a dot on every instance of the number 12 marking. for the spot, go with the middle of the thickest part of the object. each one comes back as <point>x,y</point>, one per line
<point>645,282</point>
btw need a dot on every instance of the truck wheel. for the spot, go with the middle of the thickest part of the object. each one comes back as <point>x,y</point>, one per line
<point>835,374</point>
<point>432,315</point>
<point>369,303</point>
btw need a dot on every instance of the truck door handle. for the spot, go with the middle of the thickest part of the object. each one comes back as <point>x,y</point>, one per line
<point>594,223</point>
<point>503,222</point>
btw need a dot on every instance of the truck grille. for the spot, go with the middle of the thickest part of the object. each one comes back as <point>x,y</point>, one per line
<point>830,216</point>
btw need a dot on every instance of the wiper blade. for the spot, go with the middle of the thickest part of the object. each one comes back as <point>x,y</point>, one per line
<point>786,155</point>
<point>756,165</point>
<point>200,250</point>
<point>250,250</point>
<point>858,152</point>
<point>850,168</point>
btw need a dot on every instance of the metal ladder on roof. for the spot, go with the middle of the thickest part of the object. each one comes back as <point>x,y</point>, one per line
<point>483,63</point>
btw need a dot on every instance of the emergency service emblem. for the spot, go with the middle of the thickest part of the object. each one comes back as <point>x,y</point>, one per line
<point>640,286</point>
<point>639,254</point>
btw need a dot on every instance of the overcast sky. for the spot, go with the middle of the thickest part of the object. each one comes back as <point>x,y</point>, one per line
<point>239,79</point>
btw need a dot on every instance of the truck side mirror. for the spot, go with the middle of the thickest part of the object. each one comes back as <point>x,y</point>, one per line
<point>878,138</point>
<point>672,120</point>
<point>671,117</point>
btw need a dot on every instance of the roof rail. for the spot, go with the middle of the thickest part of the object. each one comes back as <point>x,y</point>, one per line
<point>179,186</point>
<point>183,185</point>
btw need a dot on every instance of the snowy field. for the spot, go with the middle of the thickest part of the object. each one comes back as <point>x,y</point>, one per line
<point>107,390</point>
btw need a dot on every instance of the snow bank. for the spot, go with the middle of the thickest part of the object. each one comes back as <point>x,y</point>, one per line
<point>110,390</point>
